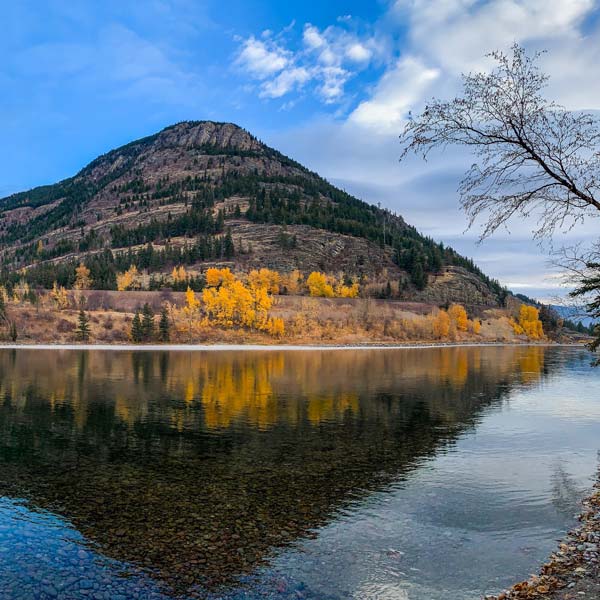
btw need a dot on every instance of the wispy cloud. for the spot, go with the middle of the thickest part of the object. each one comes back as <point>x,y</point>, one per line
<point>325,58</point>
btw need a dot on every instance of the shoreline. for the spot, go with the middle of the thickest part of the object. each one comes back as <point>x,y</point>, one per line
<point>573,570</point>
<point>273,347</point>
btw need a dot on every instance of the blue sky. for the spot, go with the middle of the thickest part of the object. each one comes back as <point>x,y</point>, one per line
<point>329,83</point>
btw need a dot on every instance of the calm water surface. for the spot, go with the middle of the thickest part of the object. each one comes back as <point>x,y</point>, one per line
<point>415,474</point>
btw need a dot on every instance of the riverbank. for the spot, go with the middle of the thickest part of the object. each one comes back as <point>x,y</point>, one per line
<point>573,571</point>
<point>304,321</point>
<point>271,347</point>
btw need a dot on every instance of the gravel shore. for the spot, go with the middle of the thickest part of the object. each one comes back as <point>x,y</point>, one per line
<point>573,571</point>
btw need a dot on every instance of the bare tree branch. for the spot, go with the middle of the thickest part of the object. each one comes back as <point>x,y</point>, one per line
<point>533,157</point>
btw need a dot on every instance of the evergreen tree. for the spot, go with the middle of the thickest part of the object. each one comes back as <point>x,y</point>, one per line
<point>164,333</point>
<point>417,275</point>
<point>12,331</point>
<point>147,323</point>
<point>229,249</point>
<point>83,327</point>
<point>136,328</point>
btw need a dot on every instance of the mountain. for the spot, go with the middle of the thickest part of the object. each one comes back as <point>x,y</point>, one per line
<point>200,193</point>
<point>575,314</point>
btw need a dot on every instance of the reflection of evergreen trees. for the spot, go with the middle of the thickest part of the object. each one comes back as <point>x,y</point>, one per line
<point>200,463</point>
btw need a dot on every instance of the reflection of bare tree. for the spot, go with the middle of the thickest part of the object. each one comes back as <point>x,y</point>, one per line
<point>566,495</point>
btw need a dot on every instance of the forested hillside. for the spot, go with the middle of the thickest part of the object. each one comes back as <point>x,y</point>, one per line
<point>210,194</point>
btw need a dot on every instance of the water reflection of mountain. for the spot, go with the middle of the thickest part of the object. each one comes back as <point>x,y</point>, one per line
<point>198,465</point>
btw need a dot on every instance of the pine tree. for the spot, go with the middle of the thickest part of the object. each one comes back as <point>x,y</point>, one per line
<point>83,328</point>
<point>147,323</point>
<point>164,334</point>
<point>229,249</point>
<point>136,328</point>
<point>12,331</point>
<point>418,276</point>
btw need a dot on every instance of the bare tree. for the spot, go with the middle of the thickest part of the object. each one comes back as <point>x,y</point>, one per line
<point>532,157</point>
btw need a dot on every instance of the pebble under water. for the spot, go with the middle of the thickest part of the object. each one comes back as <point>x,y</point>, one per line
<point>410,474</point>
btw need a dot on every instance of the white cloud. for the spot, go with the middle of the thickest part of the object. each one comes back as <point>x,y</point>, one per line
<point>358,53</point>
<point>312,38</point>
<point>328,58</point>
<point>285,82</point>
<point>262,59</point>
<point>399,90</point>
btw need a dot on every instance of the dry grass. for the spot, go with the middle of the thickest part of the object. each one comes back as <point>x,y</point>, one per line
<point>307,321</point>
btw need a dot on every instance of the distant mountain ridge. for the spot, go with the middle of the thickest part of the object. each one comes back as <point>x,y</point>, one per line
<point>202,192</point>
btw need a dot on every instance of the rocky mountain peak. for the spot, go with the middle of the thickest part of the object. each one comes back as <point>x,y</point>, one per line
<point>191,134</point>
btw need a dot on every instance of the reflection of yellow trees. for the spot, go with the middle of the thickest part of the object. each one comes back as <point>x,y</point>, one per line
<point>320,409</point>
<point>531,364</point>
<point>217,390</point>
<point>234,390</point>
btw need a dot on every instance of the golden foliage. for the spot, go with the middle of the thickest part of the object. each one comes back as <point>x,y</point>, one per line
<point>458,315</point>
<point>319,285</point>
<point>529,322</point>
<point>191,310</point>
<point>217,277</point>
<point>129,280</point>
<point>20,291</point>
<point>265,278</point>
<point>276,327</point>
<point>179,274</point>
<point>83,281</point>
<point>228,302</point>
<point>292,282</point>
<point>475,326</point>
<point>59,296</point>
<point>441,325</point>
<point>347,291</point>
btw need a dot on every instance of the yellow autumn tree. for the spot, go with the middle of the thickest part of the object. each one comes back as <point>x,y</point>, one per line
<point>347,291</point>
<point>217,277</point>
<point>529,322</point>
<point>292,282</point>
<point>21,291</point>
<point>319,285</point>
<point>441,325</point>
<point>458,316</point>
<point>83,281</point>
<point>265,278</point>
<point>475,326</point>
<point>191,310</point>
<point>276,327</point>
<point>129,280</point>
<point>179,274</point>
<point>228,302</point>
<point>59,296</point>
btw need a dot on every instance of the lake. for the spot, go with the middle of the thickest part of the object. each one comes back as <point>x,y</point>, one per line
<point>410,474</point>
